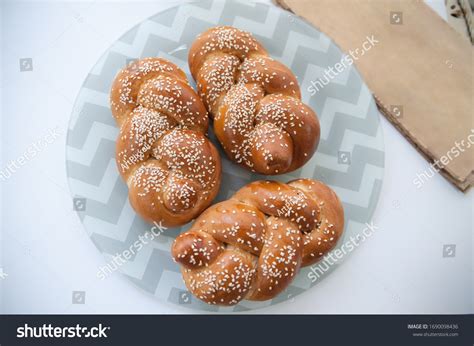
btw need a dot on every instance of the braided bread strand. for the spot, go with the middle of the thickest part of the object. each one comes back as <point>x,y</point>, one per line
<point>252,245</point>
<point>171,168</point>
<point>255,102</point>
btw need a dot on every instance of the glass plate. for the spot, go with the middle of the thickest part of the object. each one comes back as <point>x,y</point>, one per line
<point>350,156</point>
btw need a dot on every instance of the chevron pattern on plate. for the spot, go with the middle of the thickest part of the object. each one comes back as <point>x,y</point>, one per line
<point>349,122</point>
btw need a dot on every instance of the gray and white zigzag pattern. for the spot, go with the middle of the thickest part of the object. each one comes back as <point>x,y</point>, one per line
<point>347,111</point>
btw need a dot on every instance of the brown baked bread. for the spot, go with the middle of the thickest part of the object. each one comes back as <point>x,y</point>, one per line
<point>252,245</point>
<point>254,100</point>
<point>172,170</point>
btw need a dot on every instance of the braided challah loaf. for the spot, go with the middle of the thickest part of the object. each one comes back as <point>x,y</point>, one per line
<point>172,170</point>
<point>252,245</point>
<point>255,101</point>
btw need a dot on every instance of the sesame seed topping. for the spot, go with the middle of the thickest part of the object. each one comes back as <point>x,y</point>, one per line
<point>162,152</point>
<point>255,101</point>
<point>264,233</point>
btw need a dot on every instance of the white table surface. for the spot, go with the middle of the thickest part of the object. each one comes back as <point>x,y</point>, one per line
<point>47,255</point>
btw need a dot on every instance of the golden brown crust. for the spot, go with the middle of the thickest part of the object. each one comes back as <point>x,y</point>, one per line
<point>253,245</point>
<point>171,168</point>
<point>255,101</point>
